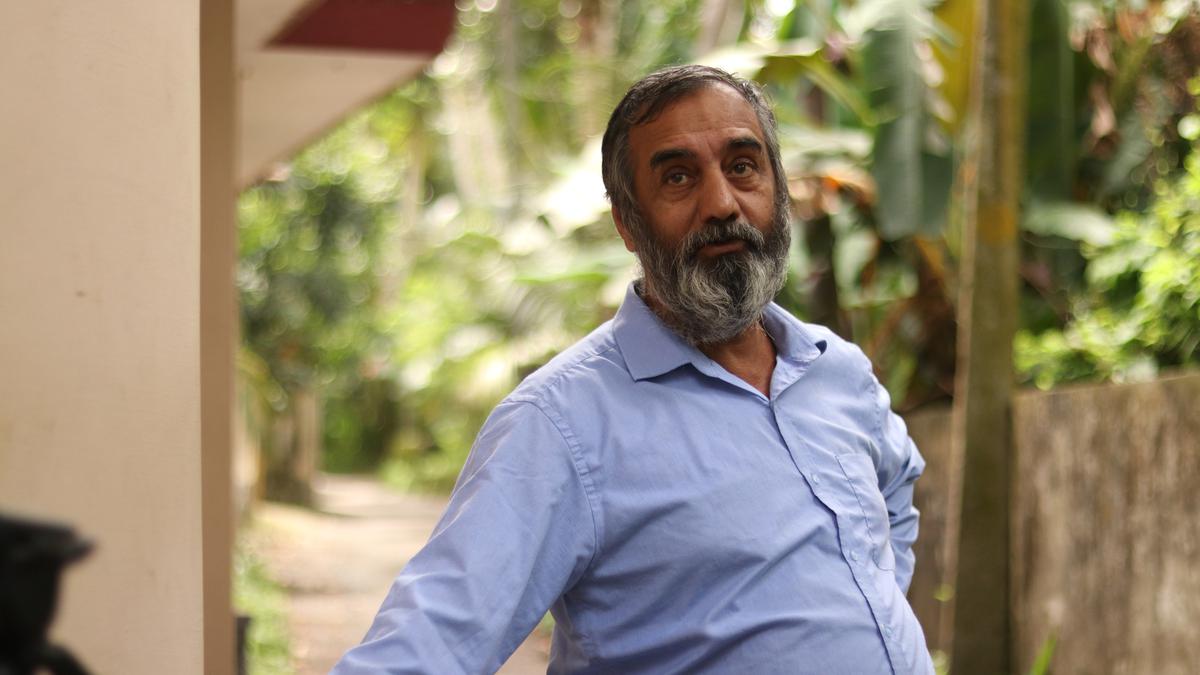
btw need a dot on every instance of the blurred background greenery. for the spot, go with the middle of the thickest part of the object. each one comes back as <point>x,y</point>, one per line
<point>405,271</point>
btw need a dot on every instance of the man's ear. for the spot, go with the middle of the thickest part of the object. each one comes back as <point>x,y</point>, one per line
<point>622,230</point>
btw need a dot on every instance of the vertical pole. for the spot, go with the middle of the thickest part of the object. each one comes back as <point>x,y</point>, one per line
<point>982,423</point>
<point>218,328</point>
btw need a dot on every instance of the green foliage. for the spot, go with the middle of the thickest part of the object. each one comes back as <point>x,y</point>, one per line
<point>417,262</point>
<point>1051,112</point>
<point>493,265</point>
<point>911,159</point>
<point>518,258</point>
<point>868,138</point>
<point>310,250</point>
<point>1131,87</point>
<point>474,314</point>
<point>414,264</point>
<point>257,596</point>
<point>1142,308</point>
<point>360,424</point>
<point>1110,101</point>
<point>553,69</point>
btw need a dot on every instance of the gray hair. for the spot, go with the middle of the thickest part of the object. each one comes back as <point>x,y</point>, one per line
<point>646,99</point>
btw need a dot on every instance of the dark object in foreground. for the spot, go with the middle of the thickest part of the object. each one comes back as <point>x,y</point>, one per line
<point>32,557</point>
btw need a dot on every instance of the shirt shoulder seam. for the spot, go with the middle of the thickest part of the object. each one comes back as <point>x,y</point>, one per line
<point>537,392</point>
<point>870,390</point>
<point>589,491</point>
<point>581,471</point>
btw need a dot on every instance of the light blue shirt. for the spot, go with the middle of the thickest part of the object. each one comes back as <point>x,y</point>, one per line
<point>673,518</point>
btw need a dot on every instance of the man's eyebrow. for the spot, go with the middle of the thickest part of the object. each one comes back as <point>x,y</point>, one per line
<point>669,154</point>
<point>745,142</point>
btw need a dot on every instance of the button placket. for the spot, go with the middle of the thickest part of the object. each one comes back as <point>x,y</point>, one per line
<point>796,448</point>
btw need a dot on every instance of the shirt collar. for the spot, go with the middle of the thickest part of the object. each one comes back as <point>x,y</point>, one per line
<point>648,346</point>
<point>793,340</point>
<point>651,349</point>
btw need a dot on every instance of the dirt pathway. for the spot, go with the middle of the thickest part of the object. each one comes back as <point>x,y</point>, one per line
<point>336,563</point>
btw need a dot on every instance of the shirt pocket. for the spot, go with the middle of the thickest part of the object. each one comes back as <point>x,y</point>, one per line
<point>860,475</point>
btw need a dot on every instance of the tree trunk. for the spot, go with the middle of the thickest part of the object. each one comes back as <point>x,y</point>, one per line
<point>295,449</point>
<point>982,421</point>
<point>595,50</point>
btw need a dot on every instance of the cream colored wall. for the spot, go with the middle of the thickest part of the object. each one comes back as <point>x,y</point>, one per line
<point>100,323</point>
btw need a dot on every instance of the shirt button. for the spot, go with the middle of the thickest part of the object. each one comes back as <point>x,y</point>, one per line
<point>887,630</point>
<point>854,556</point>
<point>816,479</point>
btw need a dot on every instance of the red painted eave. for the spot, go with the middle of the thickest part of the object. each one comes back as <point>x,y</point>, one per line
<point>410,26</point>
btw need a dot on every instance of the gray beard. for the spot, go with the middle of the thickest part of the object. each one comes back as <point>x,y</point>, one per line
<point>712,301</point>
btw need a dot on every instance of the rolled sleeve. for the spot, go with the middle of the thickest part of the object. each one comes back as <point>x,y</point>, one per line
<point>518,532</point>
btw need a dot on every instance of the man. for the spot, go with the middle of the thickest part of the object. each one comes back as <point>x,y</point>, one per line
<point>704,484</point>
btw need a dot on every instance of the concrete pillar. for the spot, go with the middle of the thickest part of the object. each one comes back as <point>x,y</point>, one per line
<point>116,316</point>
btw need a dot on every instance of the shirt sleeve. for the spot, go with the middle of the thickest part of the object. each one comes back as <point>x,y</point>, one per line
<point>898,466</point>
<point>517,533</point>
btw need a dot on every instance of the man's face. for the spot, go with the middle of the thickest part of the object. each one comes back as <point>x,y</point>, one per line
<point>709,233</point>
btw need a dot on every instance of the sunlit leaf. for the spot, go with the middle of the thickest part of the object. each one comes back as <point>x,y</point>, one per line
<point>1072,220</point>
<point>791,60</point>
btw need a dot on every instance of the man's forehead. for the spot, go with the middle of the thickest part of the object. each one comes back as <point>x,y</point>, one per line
<point>716,111</point>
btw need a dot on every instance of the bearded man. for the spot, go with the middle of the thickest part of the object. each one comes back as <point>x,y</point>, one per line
<point>704,484</point>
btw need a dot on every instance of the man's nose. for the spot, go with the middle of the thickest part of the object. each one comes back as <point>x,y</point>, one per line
<point>718,201</point>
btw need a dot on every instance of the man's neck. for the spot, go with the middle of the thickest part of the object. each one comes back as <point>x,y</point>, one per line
<point>750,355</point>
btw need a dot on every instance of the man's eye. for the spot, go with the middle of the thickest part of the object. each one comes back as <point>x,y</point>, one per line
<point>742,168</point>
<point>675,178</point>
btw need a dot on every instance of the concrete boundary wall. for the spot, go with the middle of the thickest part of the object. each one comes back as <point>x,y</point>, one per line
<point>1106,525</point>
<point>930,429</point>
<point>1106,528</point>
